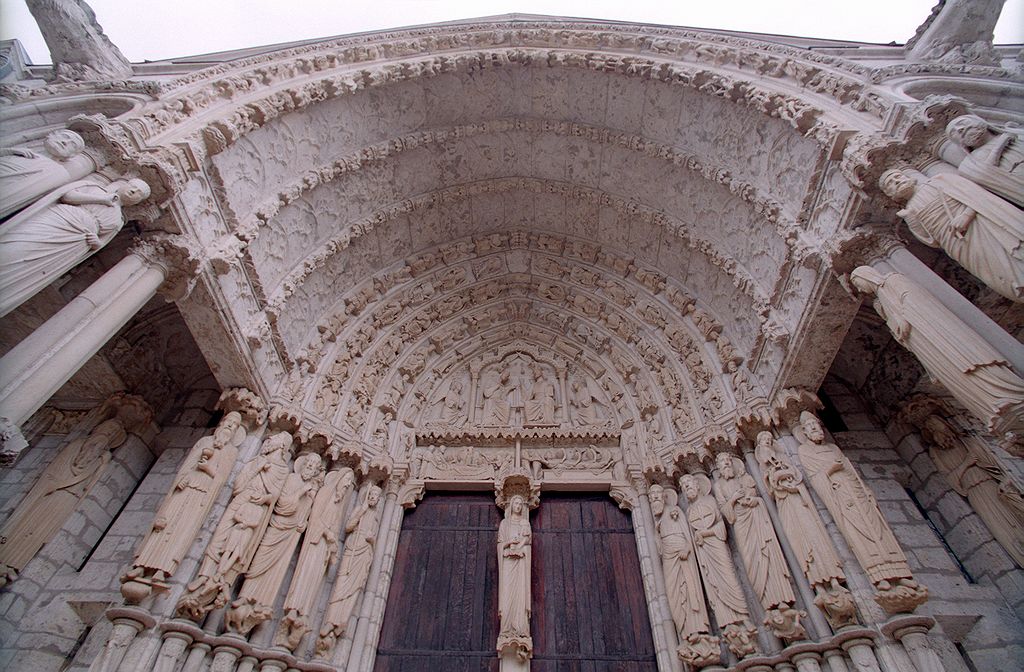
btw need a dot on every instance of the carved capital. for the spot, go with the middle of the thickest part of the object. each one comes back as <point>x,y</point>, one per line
<point>12,442</point>
<point>285,419</point>
<point>625,495</point>
<point>688,457</point>
<point>716,440</point>
<point>753,419</point>
<point>245,402</point>
<point>315,439</point>
<point>860,247</point>
<point>516,481</point>
<point>224,253</point>
<point>379,469</point>
<point>346,453</point>
<point>130,410</point>
<point>177,255</point>
<point>789,403</point>
<point>411,492</point>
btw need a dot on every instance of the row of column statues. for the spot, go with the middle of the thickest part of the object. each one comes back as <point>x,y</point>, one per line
<point>697,559</point>
<point>974,213</point>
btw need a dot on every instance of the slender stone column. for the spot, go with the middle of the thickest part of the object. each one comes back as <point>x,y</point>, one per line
<point>912,634</point>
<point>38,366</point>
<point>862,653</point>
<point>836,661</point>
<point>807,662</point>
<point>196,656</point>
<point>174,644</point>
<point>128,623</point>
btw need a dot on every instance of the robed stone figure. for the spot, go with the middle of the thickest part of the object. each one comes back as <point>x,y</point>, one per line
<point>319,548</point>
<point>361,528</point>
<point>236,538</point>
<point>949,350</point>
<point>995,156</point>
<point>515,540</point>
<point>62,485</point>
<point>200,477</point>
<point>27,174</point>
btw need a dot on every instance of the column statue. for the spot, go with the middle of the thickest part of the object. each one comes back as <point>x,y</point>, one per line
<point>319,548</point>
<point>995,156</point>
<point>858,518</point>
<point>54,234</point>
<point>361,528</point>
<point>266,572</point>
<point>184,510</point>
<point>26,174</point>
<point>723,587</point>
<point>974,474</point>
<point>950,351</point>
<point>981,231</point>
<point>514,598</point>
<point>762,555</point>
<point>806,533</point>
<point>697,647</point>
<point>234,542</point>
<point>62,485</point>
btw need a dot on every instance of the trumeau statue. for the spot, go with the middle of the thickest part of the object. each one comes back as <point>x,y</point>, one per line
<point>806,533</point>
<point>196,486</point>
<point>762,556</point>
<point>682,580</point>
<point>723,587</point>
<point>26,174</point>
<point>361,528</point>
<point>982,232</point>
<point>319,548</point>
<point>858,517</point>
<point>269,565</point>
<point>236,538</point>
<point>62,485</point>
<point>974,473</point>
<point>54,234</point>
<point>950,351</point>
<point>514,598</point>
<point>995,156</point>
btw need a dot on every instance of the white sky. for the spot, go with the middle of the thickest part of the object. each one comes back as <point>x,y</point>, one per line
<point>157,29</point>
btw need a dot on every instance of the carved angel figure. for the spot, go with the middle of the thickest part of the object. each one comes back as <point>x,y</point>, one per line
<point>26,174</point>
<point>62,485</point>
<point>514,600</point>
<point>183,511</point>
<point>979,230</point>
<point>858,517</point>
<point>950,351</point>
<point>50,237</point>
<point>974,473</point>
<point>319,548</point>
<point>266,572</point>
<point>995,156</point>
<point>361,529</point>
<point>234,542</point>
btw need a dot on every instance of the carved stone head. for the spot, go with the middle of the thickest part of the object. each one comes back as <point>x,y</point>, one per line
<point>898,184</point>
<point>373,496</point>
<point>866,279</point>
<point>63,144</point>
<point>812,427</point>
<point>689,485</point>
<point>726,465</point>
<point>968,131</point>
<point>133,191</point>
<point>656,494</point>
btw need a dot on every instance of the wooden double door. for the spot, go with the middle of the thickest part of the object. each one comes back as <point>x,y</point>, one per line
<point>589,608</point>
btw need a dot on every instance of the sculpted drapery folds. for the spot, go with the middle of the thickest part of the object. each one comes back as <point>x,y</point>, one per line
<point>805,532</point>
<point>515,540</point>
<point>361,528</point>
<point>62,485</point>
<point>26,174</point>
<point>51,236</point>
<point>236,538</point>
<point>858,518</point>
<point>974,473</point>
<point>319,548</point>
<point>762,556</point>
<point>540,406</point>
<point>495,391</point>
<point>716,567</point>
<point>995,156</point>
<point>682,580</point>
<point>950,351</point>
<point>269,565</point>
<point>184,509</point>
<point>982,232</point>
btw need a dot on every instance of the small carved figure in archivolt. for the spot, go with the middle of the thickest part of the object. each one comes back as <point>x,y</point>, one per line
<point>697,647</point>
<point>515,540</point>
<point>196,485</point>
<point>361,528</point>
<point>858,517</point>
